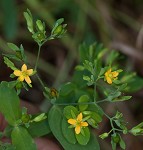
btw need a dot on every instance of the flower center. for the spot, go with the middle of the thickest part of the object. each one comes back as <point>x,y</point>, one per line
<point>110,75</point>
<point>25,73</point>
<point>78,123</point>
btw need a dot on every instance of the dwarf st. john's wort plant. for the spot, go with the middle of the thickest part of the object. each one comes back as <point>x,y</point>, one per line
<point>75,111</point>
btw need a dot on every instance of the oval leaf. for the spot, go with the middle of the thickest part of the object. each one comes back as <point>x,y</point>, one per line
<point>83,99</point>
<point>67,89</point>
<point>69,111</point>
<point>22,140</point>
<point>9,103</point>
<point>68,132</point>
<point>55,120</point>
<point>42,126</point>
<point>83,139</point>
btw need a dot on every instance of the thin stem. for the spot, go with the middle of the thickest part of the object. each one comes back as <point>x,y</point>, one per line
<point>36,64</point>
<point>60,104</point>
<point>94,92</point>
<point>111,122</point>
<point>118,130</point>
<point>41,82</point>
<point>104,100</point>
<point>107,115</point>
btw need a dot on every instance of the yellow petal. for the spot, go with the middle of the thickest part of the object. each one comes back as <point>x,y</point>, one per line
<point>27,79</point>
<point>21,78</point>
<point>115,73</point>
<point>79,117</point>
<point>24,67</point>
<point>72,121</point>
<point>77,129</point>
<point>106,74</point>
<point>109,71</point>
<point>29,72</point>
<point>84,124</point>
<point>17,73</point>
<point>109,81</point>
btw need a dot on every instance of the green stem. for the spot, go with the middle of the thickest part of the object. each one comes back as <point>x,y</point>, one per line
<point>36,64</point>
<point>94,92</point>
<point>107,115</point>
<point>41,82</point>
<point>104,100</point>
<point>118,130</point>
<point>89,103</point>
<point>111,122</point>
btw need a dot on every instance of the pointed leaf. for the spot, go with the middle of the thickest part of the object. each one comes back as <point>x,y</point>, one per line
<point>13,46</point>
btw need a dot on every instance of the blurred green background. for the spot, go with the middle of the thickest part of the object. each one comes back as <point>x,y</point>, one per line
<point>116,24</point>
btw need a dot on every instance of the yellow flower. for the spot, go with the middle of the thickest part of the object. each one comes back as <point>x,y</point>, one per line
<point>24,74</point>
<point>110,76</point>
<point>78,123</point>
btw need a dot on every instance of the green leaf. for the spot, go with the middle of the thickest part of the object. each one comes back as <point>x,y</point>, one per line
<point>83,139</point>
<point>55,122</point>
<point>60,21</point>
<point>122,87</point>
<point>6,146</point>
<point>113,55</point>
<point>113,95</point>
<point>95,108</point>
<point>102,71</point>
<point>122,98</point>
<point>9,104</point>
<point>9,63</point>
<point>68,133</point>
<point>13,46</point>
<point>68,110</point>
<point>83,99</point>
<point>67,89</point>
<point>113,145</point>
<point>22,53</point>
<point>137,130</point>
<point>29,20</point>
<point>97,117</point>
<point>11,56</point>
<point>92,123</point>
<point>86,78</point>
<point>94,119</point>
<point>22,140</point>
<point>122,143</point>
<point>42,126</point>
<point>134,82</point>
<point>79,68</point>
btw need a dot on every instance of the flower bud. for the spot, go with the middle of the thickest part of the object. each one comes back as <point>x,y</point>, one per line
<point>137,130</point>
<point>104,135</point>
<point>53,92</point>
<point>25,118</point>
